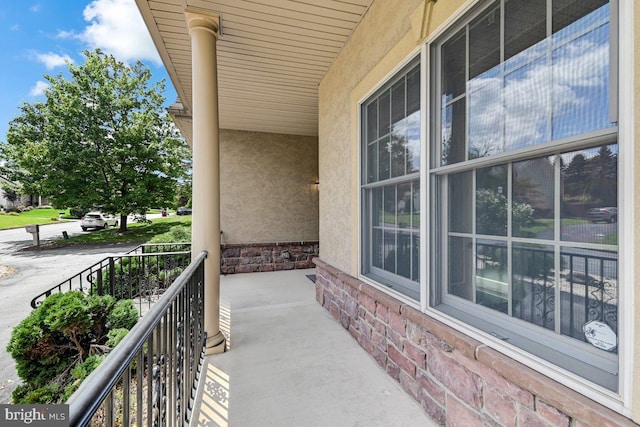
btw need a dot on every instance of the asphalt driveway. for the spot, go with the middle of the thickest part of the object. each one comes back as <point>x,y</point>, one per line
<point>32,272</point>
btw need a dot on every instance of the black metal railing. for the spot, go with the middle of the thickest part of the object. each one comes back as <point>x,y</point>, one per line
<point>142,274</point>
<point>587,282</point>
<point>151,377</point>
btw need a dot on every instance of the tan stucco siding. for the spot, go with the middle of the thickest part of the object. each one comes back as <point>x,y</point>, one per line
<point>267,187</point>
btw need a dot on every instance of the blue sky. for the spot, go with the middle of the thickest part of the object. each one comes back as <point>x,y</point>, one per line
<point>38,36</point>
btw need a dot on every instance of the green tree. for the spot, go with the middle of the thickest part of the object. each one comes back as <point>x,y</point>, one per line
<point>101,138</point>
<point>10,191</point>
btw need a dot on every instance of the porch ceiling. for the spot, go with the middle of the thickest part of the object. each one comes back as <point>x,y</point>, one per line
<point>272,55</point>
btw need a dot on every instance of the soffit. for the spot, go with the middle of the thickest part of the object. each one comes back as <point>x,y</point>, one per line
<point>272,55</point>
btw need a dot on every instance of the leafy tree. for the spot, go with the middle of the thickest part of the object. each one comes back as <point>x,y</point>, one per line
<point>183,196</point>
<point>10,192</point>
<point>605,169</point>
<point>101,138</point>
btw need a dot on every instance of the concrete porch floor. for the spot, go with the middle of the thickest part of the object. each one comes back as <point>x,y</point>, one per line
<point>289,363</point>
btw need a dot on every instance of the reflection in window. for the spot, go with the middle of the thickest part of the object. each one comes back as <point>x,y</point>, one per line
<point>551,85</point>
<point>533,198</point>
<point>484,100</point>
<point>492,283</point>
<point>589,283</point>
<point>391,209</point>
<point>528,240</point>
<point>581,81</point>
<point>534,290</point>
<point>589,209</point>
<point>461,267</point>
<point>453,133</point>
<point>460,202</point>
<point>491,201</point>
<point>395,228</point>
<point>484,41</point>
<point>526,99</point>
<point>525,25</point>
<point>453,64</point>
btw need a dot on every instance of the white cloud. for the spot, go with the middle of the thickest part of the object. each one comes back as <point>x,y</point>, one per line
<point>66,34</point>
<point>35,7</point>
<point>15,27</point>
<point>39,88</point>
<point>116,27</point>
<point>519,102</point>
<point>52,60</point>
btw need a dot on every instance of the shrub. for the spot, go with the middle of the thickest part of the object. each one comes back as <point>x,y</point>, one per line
<point>13,213</point>
<point>177,234</point>
<point>77,212</point>
<point>65,332</point>
<point>137,276</point>
<point>80,372</point>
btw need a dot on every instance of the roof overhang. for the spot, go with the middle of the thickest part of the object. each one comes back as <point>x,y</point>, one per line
<point>272,55</point>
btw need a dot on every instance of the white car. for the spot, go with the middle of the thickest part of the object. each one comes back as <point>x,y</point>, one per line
<point>97,220</point>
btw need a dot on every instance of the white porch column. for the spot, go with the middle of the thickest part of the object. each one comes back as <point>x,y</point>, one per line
<point>203,29</point>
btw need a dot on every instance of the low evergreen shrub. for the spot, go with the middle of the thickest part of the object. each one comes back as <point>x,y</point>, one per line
<point>63,340</point>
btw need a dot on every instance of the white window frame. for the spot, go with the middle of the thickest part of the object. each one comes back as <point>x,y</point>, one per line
<point>621,401</point>
<point>415,55</point>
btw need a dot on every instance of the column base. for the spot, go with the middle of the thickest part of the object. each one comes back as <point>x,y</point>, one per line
<point>216,344</point>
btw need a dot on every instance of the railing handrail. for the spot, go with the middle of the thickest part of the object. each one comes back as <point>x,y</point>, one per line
<point>150,254</point>
<point>87,399</point>
<point>115,258</point>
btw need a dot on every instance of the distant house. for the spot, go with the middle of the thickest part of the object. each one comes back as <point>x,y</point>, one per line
<point>22,200</point>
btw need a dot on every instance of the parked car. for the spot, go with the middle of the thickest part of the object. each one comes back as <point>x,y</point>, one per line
<point>608,214</point>
<point>97,220</point>
<point>183,211</point>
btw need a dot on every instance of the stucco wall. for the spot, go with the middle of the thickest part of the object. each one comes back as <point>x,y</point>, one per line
<point>267,189</point>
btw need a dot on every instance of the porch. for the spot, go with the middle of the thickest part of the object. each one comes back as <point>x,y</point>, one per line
<point>290,363</point>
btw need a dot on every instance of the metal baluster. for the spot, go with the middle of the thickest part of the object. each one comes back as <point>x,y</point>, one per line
<point>139,386</point>
<point>150,414</point>
<point>586,293</point>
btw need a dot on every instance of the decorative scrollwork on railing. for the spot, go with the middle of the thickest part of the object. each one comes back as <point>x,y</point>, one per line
<point>544,301</point>
<point>144,273</point>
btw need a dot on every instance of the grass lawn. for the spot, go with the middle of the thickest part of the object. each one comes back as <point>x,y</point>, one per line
<point>136,232</point>
<point>36,216</point>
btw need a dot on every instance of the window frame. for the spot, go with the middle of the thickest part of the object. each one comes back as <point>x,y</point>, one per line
<point>622,28</point>
<point>622,134</point>
<point>378,277</point>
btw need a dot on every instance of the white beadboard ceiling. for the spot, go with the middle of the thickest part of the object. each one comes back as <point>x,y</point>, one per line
<point>271,57</point>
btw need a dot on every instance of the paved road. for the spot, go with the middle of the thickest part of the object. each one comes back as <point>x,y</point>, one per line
<point>17,238</point>
<point>35,272</point>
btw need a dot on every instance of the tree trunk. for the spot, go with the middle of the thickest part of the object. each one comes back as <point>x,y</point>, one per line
<point>123,223</point>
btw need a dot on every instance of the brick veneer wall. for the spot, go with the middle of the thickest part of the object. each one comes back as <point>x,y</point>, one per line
<point>457,380</point>
<point>250,258</point>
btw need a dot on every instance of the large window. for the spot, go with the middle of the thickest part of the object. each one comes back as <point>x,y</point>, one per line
<point>524,180</point>
<point>390,150</point>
